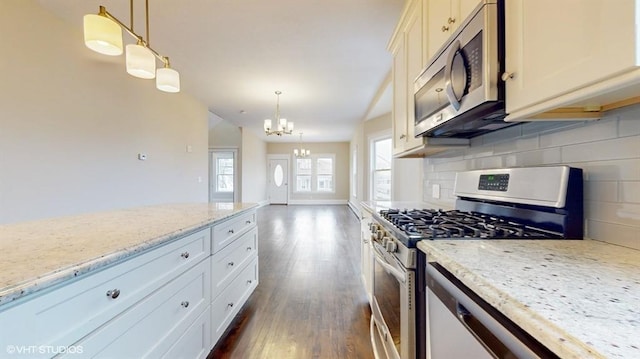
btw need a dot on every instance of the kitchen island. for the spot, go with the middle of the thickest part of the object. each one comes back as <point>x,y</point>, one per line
<point>171,272</point>
<point>579,298</point>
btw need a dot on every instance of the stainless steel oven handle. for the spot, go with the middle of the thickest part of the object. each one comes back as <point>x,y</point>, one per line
<point>398,274</point>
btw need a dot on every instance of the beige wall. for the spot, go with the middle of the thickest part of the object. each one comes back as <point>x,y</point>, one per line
<point>607,150</point>
<point>72,123</point>
<point>225,134</point>
<point>341,151</point>
<point>253,164</point>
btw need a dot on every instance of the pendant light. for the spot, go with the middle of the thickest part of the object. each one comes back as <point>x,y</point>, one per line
<point>103,34</point>
<point>167,79</point>
<point>301,152</point>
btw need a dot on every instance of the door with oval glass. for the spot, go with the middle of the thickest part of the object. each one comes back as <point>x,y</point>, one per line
<point>278,181</point>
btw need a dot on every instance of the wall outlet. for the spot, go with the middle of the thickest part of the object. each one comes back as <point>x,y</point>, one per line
<point>189,148</point>
<point>435,191</point>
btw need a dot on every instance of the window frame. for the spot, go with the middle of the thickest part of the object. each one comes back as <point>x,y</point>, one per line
<point>314,174</point>
<point>372,166</point>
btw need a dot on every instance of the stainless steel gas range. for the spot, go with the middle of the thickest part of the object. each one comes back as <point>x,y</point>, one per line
<point>529,203</point>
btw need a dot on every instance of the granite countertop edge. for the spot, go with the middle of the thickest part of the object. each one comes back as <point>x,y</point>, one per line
<point>50,279</point>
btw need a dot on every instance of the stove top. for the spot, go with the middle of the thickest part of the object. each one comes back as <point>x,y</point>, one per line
<point>439,224</point>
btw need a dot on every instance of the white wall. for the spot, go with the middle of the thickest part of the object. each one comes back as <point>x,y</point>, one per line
<point>607,150</point>
<point>72,123</point>
<point>253,174</point>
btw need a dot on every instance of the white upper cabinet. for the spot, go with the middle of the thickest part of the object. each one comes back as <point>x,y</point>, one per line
<point>443,18</point>
<point>584,55</point>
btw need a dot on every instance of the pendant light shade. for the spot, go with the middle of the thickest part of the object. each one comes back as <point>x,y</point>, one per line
<point>141,62</point>
<point>102,35</point>
<point>168,80</point>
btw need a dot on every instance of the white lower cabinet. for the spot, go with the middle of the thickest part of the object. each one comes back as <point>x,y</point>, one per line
<point>228,304</point>
<point>158,304</point>
<point>151,327</point>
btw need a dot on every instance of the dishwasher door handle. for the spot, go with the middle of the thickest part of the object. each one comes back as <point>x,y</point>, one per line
<point>495,347</point>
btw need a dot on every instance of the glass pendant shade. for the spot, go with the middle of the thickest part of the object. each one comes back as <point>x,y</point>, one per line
<point>168,80</point>
<point>140,62</point>
<point>102,35</point>
<point>267,125</point>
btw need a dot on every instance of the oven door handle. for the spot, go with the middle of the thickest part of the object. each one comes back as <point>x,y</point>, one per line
<point>398,274</point>
<point>372,333</point>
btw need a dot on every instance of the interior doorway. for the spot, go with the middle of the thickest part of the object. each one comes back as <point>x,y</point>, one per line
<point>223,181</point>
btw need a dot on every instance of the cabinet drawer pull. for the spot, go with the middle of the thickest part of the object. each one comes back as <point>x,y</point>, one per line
<point>185,255</point>
<point>230,264</point>
<point>445,28</point>
<point>451,20</point>
<point>249,281</point>
<point>114,293</point>
<point>249,249</point>
<point>402,136</point>
<point>248,221</point>
<point>230,231</point>
<point>230,305</point>
<point>185,303</point>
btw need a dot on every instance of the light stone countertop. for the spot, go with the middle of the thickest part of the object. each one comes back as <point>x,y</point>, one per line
<point>580,298</point>
<point>40,254</point>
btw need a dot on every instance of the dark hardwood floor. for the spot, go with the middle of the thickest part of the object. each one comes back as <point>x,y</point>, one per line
<point>310,302</point>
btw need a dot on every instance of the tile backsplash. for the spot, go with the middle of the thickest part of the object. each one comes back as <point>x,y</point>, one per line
<point>608,151</point>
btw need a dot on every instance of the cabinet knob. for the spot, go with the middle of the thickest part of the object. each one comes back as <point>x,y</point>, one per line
<point>249,249</point>
<point>451,20</point>
<point>230,231</point>
<point>185,255</point>
<point>230,305</point>
<point>445,28</point>
<point>507,75</point>
<point>402,136</point>
<point>114,293</point>
<point>247,222</point>
<point>185,303</point>
<point>230,264</point>
<point>249,281</point>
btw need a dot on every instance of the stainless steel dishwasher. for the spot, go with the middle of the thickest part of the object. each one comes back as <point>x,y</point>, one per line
<point>460,324</point>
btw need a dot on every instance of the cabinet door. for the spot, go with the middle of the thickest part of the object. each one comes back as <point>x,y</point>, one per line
<point>399,96</point>
<point>555,47</point>
<point>415,63</point>
<point>440,23</point>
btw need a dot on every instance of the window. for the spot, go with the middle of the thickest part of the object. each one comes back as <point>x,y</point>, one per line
<point>224,173</point>
<point>381,168</point>
<point>315,174</point>
<point>354,173</point>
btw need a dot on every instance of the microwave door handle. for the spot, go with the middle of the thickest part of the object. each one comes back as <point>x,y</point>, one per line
<point>448,69</point>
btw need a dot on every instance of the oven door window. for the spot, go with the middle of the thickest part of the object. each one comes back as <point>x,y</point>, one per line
<point>386,290</point>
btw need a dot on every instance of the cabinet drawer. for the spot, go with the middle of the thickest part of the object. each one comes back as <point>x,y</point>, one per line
<point>228,304</point>
<point>227,231</point>
<point>227,263</point>
<point>151,327</point>
<point>63,316</point>
<point>195,343</point>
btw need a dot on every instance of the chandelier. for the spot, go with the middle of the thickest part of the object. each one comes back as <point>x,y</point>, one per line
<point>282,126</point>
<point>103,34</point>
<point>301,152</point>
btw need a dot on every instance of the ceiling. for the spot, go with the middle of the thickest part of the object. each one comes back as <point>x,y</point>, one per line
<point>328,57</point>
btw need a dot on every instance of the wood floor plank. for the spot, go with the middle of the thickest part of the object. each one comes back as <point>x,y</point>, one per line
<point>310,302</point>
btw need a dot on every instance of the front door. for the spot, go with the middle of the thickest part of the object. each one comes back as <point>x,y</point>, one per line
<point>278,181</point>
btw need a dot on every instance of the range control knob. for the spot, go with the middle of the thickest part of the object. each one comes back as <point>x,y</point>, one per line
<point>385,240</point>
<point>379,234</point>
<point>391,246</point>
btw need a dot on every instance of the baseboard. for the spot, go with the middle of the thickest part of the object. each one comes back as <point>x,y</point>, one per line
<point>263,203</point>
<point>318,202</point>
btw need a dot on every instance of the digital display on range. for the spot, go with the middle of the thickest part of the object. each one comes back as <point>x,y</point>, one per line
<point>495,182</point>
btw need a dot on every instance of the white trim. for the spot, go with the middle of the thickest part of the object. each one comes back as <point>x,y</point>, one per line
<point>314,174</point>
<point>236,166</point>
<point>355,208</point>
<point>318,201</point>
<point>263,203</point>
<point>371,139</point>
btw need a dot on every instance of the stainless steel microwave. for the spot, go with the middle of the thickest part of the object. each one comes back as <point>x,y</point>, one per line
<point>460,93</point>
